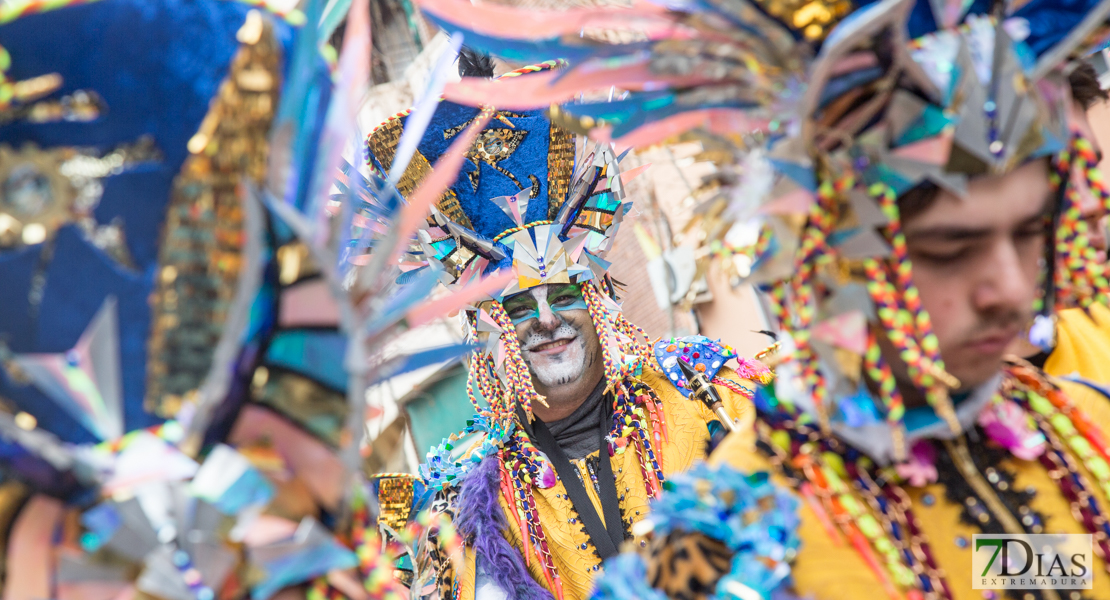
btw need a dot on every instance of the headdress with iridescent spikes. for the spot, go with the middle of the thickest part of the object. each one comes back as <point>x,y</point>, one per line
<point>530,199</point>
<point>850,108</point>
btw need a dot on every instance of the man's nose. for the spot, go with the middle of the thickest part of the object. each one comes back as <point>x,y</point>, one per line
<point>548,319</point>
<point>1003,283</point>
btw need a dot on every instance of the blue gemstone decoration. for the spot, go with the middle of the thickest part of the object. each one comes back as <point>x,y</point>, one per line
<point>858,409</point>
<point>928,499</point>
<point>961,541</point>
<point>696,350</point>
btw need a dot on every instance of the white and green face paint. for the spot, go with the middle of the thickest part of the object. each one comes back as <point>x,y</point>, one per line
<point>555,297</point>
<point>557,337</point>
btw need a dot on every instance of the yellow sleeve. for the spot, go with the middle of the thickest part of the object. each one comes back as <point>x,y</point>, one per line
<point>1082,344</point>
<point>466,579</point>
<point>737,404</point>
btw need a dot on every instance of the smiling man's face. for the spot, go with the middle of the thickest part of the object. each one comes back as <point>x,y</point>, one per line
<point>557,340</point>
<point>977,261</point>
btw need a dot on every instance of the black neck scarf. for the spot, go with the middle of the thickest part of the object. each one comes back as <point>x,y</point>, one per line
<point>606,540</point>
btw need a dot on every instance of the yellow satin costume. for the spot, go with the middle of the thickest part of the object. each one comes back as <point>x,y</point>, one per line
<point>830,569</point>
<point>572,552</point>
<point>1082,344</point>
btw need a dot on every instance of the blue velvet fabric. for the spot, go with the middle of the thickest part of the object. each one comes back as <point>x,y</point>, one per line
<point>1050,21</point>
<point>156,64</point>
<point>530,158</point>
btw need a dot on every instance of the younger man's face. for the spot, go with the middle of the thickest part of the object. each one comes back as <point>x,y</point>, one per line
<point>976,262</point>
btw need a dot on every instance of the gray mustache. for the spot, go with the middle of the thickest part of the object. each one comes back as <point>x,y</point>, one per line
<point>564,330</point>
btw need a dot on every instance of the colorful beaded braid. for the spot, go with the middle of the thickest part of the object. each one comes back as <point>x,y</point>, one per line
<point>907,323</point>
<point>1086,161</point>
<point>879,372</point>
<point>375,556</point>
<point>1080,278</point>
<point>519,388</point>
<point>889,283</point>
<point>813,254</point>
<point>1065,427</point>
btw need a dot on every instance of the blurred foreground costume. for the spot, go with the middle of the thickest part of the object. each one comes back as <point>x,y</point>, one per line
<point>534,202</point>
<point>857,106</point>
<point>181,401</point>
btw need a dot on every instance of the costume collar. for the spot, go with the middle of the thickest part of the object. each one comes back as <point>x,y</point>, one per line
<point>876,441</point>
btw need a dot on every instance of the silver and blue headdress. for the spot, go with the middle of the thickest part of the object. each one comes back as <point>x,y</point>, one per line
<point>530,203</point>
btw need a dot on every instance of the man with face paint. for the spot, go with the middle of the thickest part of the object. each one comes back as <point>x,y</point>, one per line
<point>580,418</point>
<point>561,347</point>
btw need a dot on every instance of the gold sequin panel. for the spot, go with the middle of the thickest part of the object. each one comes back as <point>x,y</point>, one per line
<point>202,242</point>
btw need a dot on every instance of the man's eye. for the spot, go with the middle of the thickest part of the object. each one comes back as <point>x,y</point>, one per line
<point>564,300</point>
<point>516,312</point>
<point>940,257</point>
<point>1037,230</point>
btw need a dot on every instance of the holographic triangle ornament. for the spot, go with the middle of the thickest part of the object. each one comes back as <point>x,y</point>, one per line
<point>85,381</point>
<point>516,206</point>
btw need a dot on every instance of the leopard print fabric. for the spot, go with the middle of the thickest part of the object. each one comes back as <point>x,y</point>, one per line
<point>687,566</point>
<point>435,561</point>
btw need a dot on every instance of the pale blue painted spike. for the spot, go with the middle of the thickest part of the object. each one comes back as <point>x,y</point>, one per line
<point>580,273</point>
<point>334,12</point>
<point>1052,144</point>
<point>515,206</point>
<point>949,13</point>
<point>599,266</point>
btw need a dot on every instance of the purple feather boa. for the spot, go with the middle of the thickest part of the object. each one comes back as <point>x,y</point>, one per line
<point>481,521</point>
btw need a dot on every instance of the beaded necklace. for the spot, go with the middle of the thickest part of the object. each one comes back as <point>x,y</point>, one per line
<point>829,475</point>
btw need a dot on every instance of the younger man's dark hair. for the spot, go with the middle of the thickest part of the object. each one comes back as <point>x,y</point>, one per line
<point>1085,89</point>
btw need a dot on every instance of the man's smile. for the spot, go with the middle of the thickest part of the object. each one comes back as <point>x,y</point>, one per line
<point>552,347</point>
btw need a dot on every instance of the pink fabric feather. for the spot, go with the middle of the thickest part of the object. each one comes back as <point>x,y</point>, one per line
<point>714,120</point>
<point>530,23</point>
<point>468,295</point>
<point>31,550</point>
<point>540,90</point>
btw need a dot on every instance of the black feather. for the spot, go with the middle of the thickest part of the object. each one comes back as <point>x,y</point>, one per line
<point>475,64</point>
